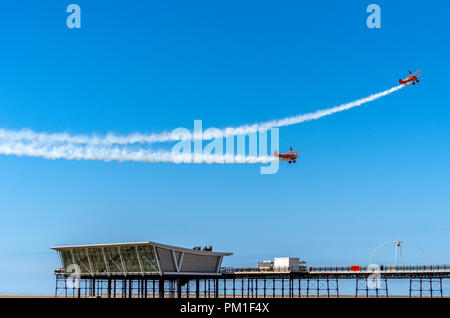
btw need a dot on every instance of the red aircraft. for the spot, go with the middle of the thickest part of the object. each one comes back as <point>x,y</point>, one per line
<point>290,156</point>
<point>411,79</point>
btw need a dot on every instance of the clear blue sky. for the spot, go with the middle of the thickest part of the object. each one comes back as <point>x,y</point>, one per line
<point>371,174</point>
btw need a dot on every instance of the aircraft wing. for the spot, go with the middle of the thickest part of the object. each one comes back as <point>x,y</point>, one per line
<point>291,152</point>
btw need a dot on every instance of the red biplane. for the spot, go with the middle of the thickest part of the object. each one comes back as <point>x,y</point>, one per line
<point>411,79</point>
<point>290,156</point>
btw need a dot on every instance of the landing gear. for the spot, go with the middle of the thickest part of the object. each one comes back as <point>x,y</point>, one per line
<point>290,161</point>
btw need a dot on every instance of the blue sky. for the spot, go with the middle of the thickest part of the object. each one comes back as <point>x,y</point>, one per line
<point>368,175</point>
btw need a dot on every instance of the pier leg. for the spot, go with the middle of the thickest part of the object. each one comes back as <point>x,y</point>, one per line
<point>410,287</point>
<point>197,288</point>
<point>291,288</point>
<point>188,288</point>
<point>420,282</point>
<point>328,288</point>
<point>209,288</point>
<point>337,288</point>
<point>265,286</point>
<point>145,288</point>
<point>216,288</point>
<point>307,288</point>
<point>234,287</point>
<point>273,288</point>
<point>386,285</point>
<point>109,287</point>
<point>178,288</point>
<point>248,287</point>
<point>161,288</point>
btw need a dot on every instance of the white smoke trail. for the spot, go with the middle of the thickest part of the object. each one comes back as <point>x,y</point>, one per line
<point>113,153</point>
<point>139,138</point>
<point>288,121</point>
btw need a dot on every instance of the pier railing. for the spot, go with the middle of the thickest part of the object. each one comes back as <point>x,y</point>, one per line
<point>252,269</point>
<point>382,268</point>
<point>339,269</point>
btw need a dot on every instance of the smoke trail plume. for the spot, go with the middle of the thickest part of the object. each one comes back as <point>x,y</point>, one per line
<point>113,153</point>
<point>129,147</point>
<point>139,138</point>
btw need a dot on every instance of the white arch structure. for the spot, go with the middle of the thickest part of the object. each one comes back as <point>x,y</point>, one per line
<point>398,250</point>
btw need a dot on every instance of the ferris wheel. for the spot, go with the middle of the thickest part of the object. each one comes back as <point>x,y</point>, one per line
<point>398,258</point>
